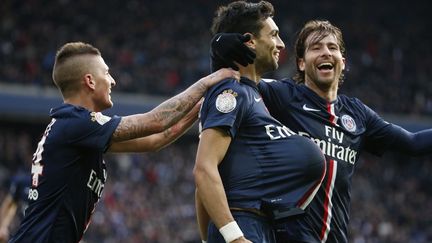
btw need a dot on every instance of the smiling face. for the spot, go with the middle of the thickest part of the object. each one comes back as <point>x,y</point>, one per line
<point>323,61</point>
<point>101,82</point>
<point>268,46</point>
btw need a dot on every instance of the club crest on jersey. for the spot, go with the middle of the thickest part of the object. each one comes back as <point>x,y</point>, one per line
<point>99,117</point>
<point>349,123</point>
<point>226,101</point>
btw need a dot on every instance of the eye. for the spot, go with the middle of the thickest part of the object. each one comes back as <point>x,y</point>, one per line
<point>334,48</point>
<point>315,47</point>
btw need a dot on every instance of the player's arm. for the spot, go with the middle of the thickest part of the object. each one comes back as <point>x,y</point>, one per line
<point>203,218</point>
<point>158,141</point>
<point>418,143</point>
<point>212,148</point>
<point>387,136</point>
<point>169,112</point>
<point>7,213</point>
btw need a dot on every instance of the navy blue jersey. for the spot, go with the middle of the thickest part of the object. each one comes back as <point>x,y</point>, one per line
<point>342,129</point>
<point>18,189</point>
<point>68,175</point>
<point>266,164</point>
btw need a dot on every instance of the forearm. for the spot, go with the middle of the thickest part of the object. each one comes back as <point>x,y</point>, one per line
<point>172,134</point>
<point>160,118</point>
<point>203,218</point>
<point>169,112</point>
<point>158,141</point>
<point>212,195</point>
<point>416,144</point>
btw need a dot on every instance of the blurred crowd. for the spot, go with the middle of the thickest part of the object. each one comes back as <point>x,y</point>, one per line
<point>160,47</point>
<point>150,197</point>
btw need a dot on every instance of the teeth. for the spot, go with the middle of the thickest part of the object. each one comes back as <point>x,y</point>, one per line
<point>325,64</point>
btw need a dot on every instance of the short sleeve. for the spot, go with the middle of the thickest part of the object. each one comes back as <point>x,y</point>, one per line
<point>223,107</point>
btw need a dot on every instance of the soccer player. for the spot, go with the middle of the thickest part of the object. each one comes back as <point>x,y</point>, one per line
<point>14,203</point>
<point>68,171</point>
<point>250,169</point>
<point>343,127</point>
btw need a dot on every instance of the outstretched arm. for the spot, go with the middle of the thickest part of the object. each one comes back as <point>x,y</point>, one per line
<point>169,112</point>
<point>416,144</point>
<point>158,141</point>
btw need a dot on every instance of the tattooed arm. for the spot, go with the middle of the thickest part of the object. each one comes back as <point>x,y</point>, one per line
<point>158,141</point>
<point>169,112</point>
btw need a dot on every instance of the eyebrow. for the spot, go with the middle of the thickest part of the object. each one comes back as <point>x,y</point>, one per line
<point>274,31</point>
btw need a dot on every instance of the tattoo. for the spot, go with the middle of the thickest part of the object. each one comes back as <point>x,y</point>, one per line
<point>127,129</point>
<point>160,118</point>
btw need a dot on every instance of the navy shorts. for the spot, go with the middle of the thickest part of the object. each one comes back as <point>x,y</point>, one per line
<point>255,228</point>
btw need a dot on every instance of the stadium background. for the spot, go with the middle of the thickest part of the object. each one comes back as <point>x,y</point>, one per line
<point>157,48</point>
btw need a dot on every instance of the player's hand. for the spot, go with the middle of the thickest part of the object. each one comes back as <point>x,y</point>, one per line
<point>227,48</point>
<point>220,75</point>
<point>241,240</point>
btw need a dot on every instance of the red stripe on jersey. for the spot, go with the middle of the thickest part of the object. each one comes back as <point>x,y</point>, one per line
<point>310,194</point>
<point>327,203</point>
<point>330,111</point>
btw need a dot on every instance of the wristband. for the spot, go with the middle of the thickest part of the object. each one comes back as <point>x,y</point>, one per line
<point>203,241</point>
<point>231,231</point>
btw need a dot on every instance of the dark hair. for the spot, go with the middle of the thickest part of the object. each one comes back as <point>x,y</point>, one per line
<point>65,73</point>
<point>241,17</point>
<point>321,29</point>
<point>74,49</point>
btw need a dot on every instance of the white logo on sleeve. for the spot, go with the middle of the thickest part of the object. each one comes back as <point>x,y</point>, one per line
<point>99,118</point>
<point>309,109</point>
<point>226,101</point>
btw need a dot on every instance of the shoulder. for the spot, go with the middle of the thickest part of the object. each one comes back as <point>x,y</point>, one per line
<point>70,114</point>
<point>276,84</point>
<point>73,122</point>
<point>352,102</point>
<point>226,87</point>
<point>357,107</point>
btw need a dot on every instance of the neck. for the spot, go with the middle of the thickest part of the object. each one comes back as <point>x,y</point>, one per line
<point>81,100</point>
<point>250,72</point>
<point>327,92</point>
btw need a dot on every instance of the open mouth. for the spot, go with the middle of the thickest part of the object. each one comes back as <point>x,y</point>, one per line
<point>326,66</point>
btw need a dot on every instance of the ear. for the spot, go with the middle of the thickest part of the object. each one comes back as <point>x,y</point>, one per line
<point>301,64</point>
<point>251,43</point>
<point>89,81</point>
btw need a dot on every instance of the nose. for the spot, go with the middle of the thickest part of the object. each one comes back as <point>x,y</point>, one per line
<point>280,44</point>
<point>326,51</point>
